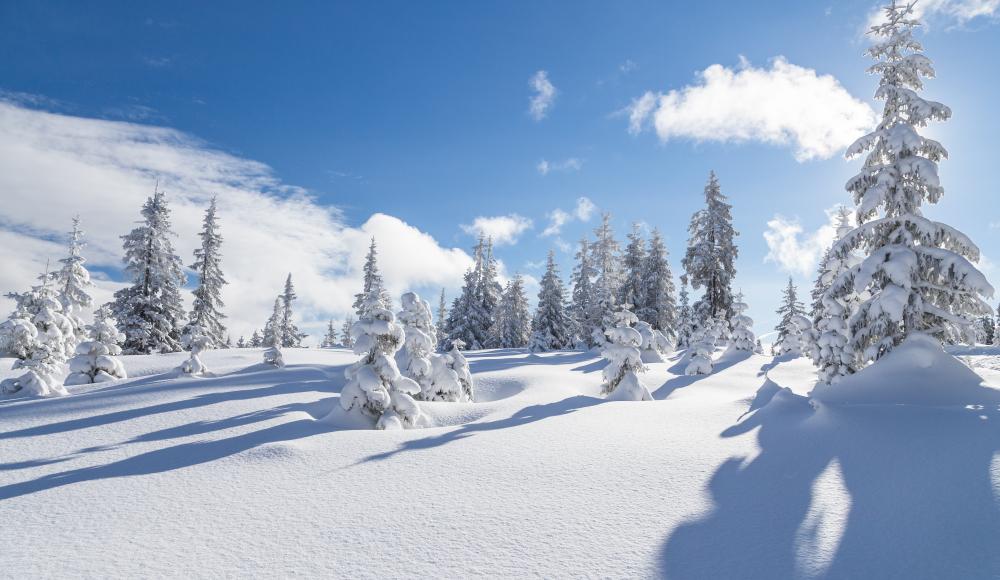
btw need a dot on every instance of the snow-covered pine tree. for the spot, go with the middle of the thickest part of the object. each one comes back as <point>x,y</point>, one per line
<point>330,338</point>
<point>375,388</point>
<point>372,283</point>
<point>345,332</point>
<point>659,304</point>
<point>150,312</point>
<point>918,273</point>
<point>414,357</point>
<point>512,323</point>
<point>654,343</point>
<point>273,335</point>
<point>96,359</point>
<point>583,309</point>
<point>742,337</point>
<point>290,332</point>
<point>703,343</point>
<point>490,290</point>
<point>685,319</point>
<point>241,342</point>
<point>605,259</point>
<point>829,345</point>
<point>471,314</point>
<point>450,377</point>
<point>256,339</point>
<point>789,309</point>
<point>196,339</point>
<point>630,291</point>
<point>795,338</point>
<point>462,325</point>
<point>552,328</point>
<point>206,309</point>
<point>621,350</point>
<point>73,283</point>
<point>711,254</point>
<point>41,335</point>
<point>442,318</point>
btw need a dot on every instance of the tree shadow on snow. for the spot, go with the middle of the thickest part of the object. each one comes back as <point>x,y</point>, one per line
<point>523,417</point>
<point>681,380</point>
<point>185,454</point>
<point>487,361</point>
<point>921,500</point>
<point>304,382</point>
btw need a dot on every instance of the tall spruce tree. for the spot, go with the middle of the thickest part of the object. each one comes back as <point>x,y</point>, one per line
<point>830,347</point>
<point>206,311</point>
<point>372,282</point>
<point>918,273</point>
<point>149,312</point>
<point>659,307</point>
<point>685,318</point>
<point>330,338</point>
<point>512,323</point>
<point>711,254</point>
<point>606,258</point>
<point>291,337</point>
<point>789,311</point>
<point>471,314</point>
<point>633,271</point>
<point>583,309</point>
<point>552,328</point>
<point>73,283</point>
<point>442,318</point>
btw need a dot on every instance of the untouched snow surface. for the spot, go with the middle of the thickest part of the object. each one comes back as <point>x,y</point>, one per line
<point>730,475</point>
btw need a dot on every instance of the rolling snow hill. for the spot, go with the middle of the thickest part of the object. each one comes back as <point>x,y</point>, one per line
<point>731,475</point>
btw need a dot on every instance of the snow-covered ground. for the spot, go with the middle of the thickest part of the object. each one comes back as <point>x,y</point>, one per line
<point>722,476</point>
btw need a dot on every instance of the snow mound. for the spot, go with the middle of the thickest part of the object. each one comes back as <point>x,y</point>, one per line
<point>917,372</point>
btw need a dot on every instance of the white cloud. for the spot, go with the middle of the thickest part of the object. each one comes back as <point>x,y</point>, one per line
<point>628,66</point>
<point>55,166</point>
<point>583,211</point>
<point>794,250</point>
<point>544,95</point>
<point>959,12</point>
<point>784,105</point>
<point>572,164</point>
<point>504,229</point>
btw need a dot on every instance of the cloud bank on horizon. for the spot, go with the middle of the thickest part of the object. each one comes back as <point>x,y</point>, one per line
<point>55,166</point>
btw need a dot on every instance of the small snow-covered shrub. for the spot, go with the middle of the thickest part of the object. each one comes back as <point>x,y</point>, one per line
<point>414,358</point>
<point>196,340</point>
<point>375,388</point>
<point>96,359</point>
<point>654,343</point>
<point>703,348</point>
<point>274,336</point>
<point>450,377</point>
<point>742,337</point>
<point>621,350</point>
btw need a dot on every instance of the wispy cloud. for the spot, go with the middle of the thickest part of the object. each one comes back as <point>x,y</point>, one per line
<point>949,12</point>
<point>583,211</point>
<point>628,66</point>
<point>572,164</point>
<point>54,166</point>
<point>793,249</point>
<point>504,229</point>
<point>782,105</point>
<point>543,95</point>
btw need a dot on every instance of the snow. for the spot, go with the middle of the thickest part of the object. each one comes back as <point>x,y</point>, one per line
<point>727,475</point>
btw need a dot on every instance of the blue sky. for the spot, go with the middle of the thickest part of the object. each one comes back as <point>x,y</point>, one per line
<point>421,110</point>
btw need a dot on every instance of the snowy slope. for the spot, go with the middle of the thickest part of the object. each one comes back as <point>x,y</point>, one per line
<point>232,476</point>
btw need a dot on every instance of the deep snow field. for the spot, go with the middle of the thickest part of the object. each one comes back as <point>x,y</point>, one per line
<point>723,476</point>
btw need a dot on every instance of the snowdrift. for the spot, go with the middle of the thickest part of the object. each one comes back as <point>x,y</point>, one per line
<point>917,372</point>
